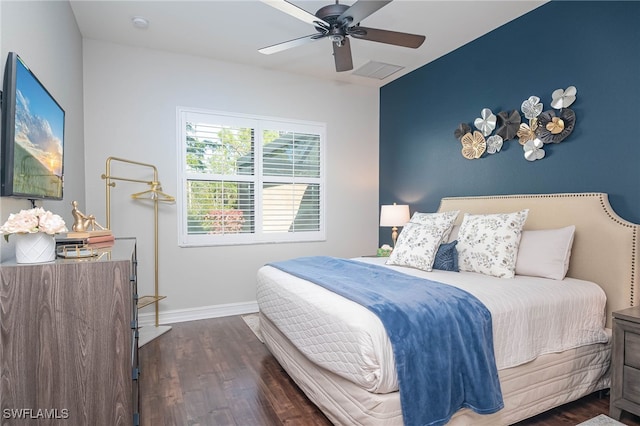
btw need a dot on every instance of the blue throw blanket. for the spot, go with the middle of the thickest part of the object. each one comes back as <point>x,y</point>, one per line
<point>441,336</point>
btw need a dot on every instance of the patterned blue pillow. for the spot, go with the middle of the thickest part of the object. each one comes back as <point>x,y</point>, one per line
<point>447,257</point>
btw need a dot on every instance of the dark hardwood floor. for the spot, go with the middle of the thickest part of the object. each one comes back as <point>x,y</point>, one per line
<point>216,372</point>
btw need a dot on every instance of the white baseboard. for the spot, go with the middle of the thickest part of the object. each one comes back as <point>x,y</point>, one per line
<point>193,314</point>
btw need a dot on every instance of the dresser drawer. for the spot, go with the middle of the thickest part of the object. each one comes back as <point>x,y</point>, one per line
<point>631,386</point>
<point>632,349</point>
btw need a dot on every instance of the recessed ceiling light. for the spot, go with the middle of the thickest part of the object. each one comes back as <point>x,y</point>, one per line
<point>140,22</point>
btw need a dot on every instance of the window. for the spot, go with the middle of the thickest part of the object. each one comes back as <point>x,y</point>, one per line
<point>247,179</point>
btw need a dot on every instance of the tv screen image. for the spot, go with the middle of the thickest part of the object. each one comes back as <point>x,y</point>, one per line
<point>32,136</point>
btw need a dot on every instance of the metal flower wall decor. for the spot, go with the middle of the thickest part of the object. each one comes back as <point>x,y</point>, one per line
<point>491,131</point>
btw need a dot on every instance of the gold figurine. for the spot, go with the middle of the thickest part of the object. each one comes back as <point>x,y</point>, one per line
<point>82,222</point>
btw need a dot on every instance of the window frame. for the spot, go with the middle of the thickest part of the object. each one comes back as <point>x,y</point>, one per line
<point>258,123</point>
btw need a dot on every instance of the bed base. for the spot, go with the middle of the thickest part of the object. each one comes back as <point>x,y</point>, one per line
<point>530,389</point>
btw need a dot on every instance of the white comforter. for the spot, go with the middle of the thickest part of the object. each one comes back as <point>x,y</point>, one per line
<point>531,316</point>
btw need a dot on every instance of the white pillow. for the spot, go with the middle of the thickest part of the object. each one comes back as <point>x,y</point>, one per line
<point>545,253</point>
<point>437,219</point>
<point>418,243</point>
<point>488,243</point>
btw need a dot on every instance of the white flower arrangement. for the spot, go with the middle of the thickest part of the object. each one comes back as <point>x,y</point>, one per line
<point>32,221</point>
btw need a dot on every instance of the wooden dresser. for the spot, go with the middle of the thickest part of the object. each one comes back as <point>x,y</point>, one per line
<point>625,363</point>
<point>68,340</point>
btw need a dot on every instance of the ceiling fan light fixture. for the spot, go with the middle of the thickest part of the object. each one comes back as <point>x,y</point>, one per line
<point>338,21</point>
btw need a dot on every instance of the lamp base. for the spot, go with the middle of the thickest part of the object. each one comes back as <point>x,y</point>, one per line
<point>394,235</point>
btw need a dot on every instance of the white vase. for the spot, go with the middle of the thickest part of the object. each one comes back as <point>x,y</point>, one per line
<point>35,248</point>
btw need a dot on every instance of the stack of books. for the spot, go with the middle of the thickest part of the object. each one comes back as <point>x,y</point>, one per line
<point>96,239</point>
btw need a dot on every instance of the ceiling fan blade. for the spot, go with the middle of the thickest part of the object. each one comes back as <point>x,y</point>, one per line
<point>360,10</point>
<point>342,56</point>
<point>289,44</point>
<point>388,37</point>
<point>296,12</point>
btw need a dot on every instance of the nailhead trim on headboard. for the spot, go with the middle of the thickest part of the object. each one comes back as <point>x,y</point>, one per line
<point>607,208</point>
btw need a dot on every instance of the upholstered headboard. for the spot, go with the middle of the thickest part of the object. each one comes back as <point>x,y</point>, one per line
<point>605,247</point>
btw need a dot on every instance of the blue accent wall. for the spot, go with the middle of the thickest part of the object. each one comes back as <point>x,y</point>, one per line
<point>594,46</point>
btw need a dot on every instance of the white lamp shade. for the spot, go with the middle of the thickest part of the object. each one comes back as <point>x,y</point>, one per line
<point>394,215</point>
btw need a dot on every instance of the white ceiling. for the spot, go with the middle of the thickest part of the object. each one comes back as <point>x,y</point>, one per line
<point>233,31</point>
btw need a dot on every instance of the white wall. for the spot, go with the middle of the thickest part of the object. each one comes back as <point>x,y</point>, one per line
<point>131,96</point>
<point>45,35</point>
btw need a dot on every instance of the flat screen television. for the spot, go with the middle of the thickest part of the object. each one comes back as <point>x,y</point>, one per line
<point>32,145</point>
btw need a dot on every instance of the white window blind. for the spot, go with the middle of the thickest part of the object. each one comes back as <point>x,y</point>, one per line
<point>248,179</point>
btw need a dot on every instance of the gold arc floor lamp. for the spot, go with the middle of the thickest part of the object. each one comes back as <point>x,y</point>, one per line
<point>154,194</point>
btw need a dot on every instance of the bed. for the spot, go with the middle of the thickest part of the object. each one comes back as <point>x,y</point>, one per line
<point>340,356</point>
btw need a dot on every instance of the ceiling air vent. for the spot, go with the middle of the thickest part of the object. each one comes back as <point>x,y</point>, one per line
<point>377,70</point>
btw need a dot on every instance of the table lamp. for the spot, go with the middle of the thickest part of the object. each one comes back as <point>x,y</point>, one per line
<point>394,215</point>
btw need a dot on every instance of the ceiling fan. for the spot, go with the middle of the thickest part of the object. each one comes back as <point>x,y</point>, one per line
<point>338,21</point>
